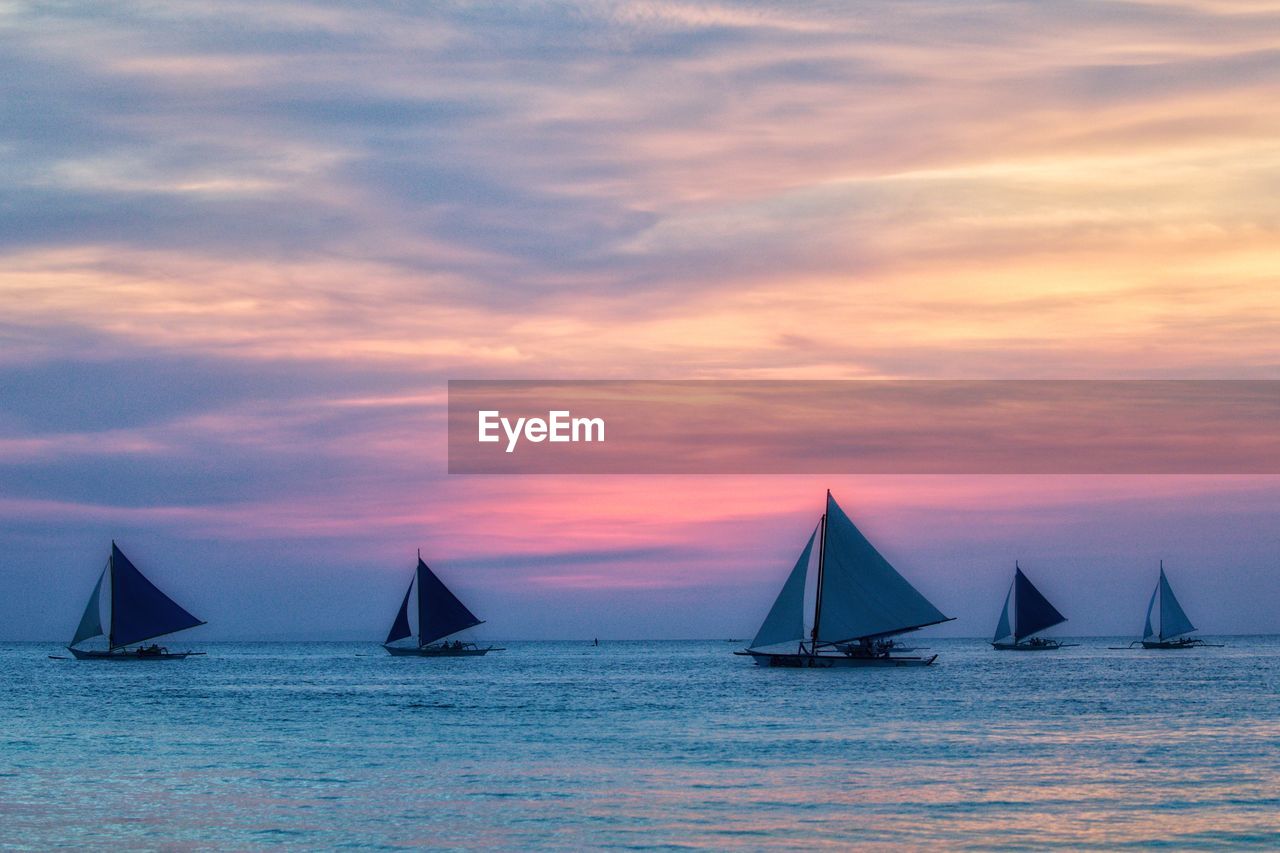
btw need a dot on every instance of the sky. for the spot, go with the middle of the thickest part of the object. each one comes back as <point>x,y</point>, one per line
<point>243,246</point>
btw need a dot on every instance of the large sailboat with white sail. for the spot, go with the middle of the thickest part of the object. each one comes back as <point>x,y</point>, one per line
<point>439,614</point>
<point>138,612</point>
<point>1026,613</point>
<point>860,604</point>
<point>1166,625</point>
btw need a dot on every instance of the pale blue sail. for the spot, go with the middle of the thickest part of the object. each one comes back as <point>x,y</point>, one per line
<point>1004,633</point>
<point>1148,632</point>
<point>1169,621</point>
<point>1173,620</point>
<point>785,622</point>
<point>91,622</point>
<point>862,595</point>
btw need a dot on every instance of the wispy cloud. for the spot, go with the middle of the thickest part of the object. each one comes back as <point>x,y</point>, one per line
<point>241,246</point>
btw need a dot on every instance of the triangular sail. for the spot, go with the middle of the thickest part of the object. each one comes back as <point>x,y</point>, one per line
<point>400,628</point>
<point>1003,631</point>
<point>1148,633</point>
<point>440,613</point>
<point>91,622</point>
<point>1032,612</point>
<point>785,622</point>
<point>862,595</point>
<point>1173,621</point>
<point>140,611</point>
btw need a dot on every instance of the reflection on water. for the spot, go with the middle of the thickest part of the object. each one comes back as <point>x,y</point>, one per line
<point>564,745</point>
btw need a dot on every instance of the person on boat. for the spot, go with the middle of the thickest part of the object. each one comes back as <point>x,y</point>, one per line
<point>867,648</point>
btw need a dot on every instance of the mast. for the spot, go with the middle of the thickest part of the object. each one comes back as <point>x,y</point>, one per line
<point>1016,569</point>
<point>111,588</point>
<point>1160,584</point>
<point>817,599</point>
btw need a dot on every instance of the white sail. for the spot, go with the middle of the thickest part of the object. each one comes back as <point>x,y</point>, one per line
<point>785,622</point>
<point>861,594</point>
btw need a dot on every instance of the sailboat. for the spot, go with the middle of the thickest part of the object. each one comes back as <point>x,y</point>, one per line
<point>1171,625</point>
<point>1031,613</point>
<point>139,612</point>
<point>439,614</point>
<point>860,603</point>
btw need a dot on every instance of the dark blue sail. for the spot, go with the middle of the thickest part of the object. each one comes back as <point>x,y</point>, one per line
<point>1033,611</point>
<point>140,611</point>
<point>400,628</point>
<point>440,613</point>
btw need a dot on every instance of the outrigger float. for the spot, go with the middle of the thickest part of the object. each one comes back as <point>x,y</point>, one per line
<point>860,604</point>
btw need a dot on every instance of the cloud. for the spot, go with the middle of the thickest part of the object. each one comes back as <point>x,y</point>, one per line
<point>242,247</point>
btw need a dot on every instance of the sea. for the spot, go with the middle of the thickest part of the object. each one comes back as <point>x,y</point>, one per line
<point>641,745</point>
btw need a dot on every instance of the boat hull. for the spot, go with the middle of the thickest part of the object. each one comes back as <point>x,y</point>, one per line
<point>82,654</point>
<point>1156,644</point>
<point>437,652</point>
<point>1026,647</point>
<point>820,661</point>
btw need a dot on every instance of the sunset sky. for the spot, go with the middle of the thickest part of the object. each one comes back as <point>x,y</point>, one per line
<point>245,245</point>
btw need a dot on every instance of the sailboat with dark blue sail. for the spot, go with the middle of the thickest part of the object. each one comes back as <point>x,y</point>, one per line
<point>438,613</point>
<point>138,612</point>
<point>1167,625</point>
<point>1026,613</point>
<point>860,604</point>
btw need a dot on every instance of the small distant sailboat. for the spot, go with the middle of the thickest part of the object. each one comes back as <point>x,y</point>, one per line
<point>1031,613</point>
<point>439,614</point>
<point>860,603</point>
<point>139,612</point>
<point>1171,626</point>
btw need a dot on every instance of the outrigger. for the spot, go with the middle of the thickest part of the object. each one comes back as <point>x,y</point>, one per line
<point>860,604</point>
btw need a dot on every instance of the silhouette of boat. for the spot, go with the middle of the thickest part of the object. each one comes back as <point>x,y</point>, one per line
<point>439,614</point>
<point>1170,627</point>
<point>860,603</point>
<point>1026,613</point>
<point>139,612</point>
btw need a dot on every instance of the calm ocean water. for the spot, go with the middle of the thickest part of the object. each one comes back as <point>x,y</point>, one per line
<point>662,744</point>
